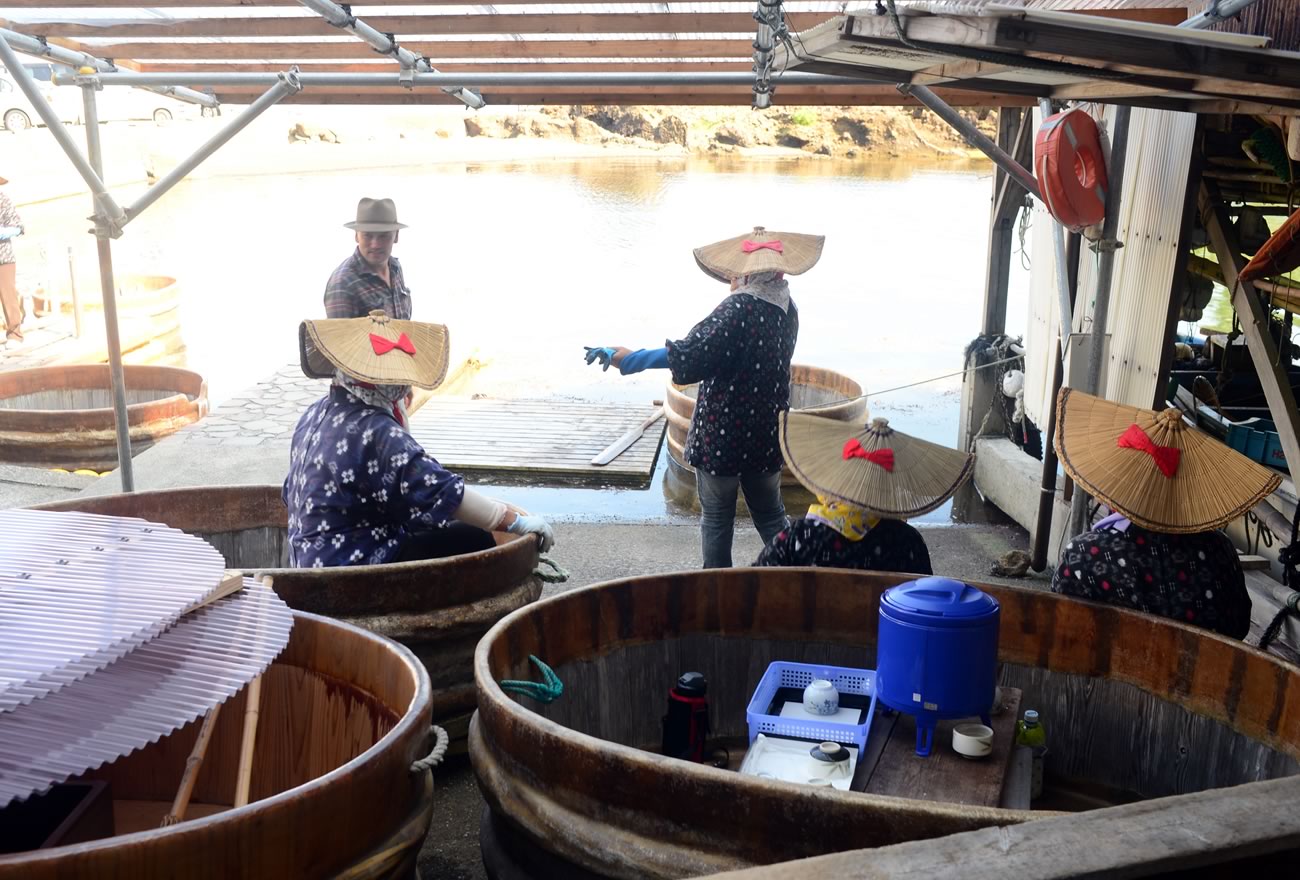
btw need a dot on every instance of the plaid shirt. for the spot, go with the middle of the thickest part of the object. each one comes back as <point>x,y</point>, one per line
<point>8,217</point>
<point>354,290</point>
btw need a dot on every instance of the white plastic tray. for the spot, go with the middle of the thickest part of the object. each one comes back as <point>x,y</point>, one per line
<point>789,761</point>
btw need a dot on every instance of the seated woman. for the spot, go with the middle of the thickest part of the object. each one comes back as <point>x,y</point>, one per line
<point>360,489</point>
<point>1171,488</point>
<point>867,482</point>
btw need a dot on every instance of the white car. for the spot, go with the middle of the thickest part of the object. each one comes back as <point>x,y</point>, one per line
<point>119,104</point>
<point>17,113</point>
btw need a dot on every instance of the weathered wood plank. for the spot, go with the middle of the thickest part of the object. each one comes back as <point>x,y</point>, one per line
<point>945,775</point>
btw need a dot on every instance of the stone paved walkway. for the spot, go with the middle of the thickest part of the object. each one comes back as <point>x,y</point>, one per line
<point>262,415</point>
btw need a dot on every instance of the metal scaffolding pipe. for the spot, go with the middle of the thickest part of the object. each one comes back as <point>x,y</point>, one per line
<point>764,50</point>
<point>442,80</point>
<point>1000,157</point>
<point>108,290</point>
<point>73,58</point>
<point>286,85</point>
<point>1217,11</point>
<point>1105,270</point>
<point>384,44</point>
<point>107,206</point>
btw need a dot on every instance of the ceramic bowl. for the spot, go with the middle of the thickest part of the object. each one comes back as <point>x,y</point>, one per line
<point>821,698</point>
<point>972,740</point>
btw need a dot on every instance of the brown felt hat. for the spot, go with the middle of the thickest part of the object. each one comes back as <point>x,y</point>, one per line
<point>376,215</point>
<point>792,253</point>
<point>889,473</point>
<point>375,349</point>
<point>1154,468</point>
<point>3,181</point>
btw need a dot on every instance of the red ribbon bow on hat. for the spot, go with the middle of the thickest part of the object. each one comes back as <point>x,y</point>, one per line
<point>882,457</point>
<point>750,246</point>
<point>382,345</point>
<point>1166,457</point>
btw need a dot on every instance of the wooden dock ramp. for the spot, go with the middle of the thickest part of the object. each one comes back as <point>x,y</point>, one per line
<point>538,439</point>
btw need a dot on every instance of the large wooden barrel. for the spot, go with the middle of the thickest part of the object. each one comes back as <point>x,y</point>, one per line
<point>343,715</point>
<point>1133,704</point>
<point>809,386</point>
<point>63,416</point>
<point>439,608</point>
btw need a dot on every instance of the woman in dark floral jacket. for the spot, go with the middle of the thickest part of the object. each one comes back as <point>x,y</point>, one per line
<point>740,354</point>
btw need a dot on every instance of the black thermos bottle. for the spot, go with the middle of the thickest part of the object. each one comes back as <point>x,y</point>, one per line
<point>687,723</point>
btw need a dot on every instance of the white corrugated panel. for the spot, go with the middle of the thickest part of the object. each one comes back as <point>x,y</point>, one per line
<point>1155,182</point>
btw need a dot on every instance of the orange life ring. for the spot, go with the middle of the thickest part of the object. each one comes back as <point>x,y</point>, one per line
<point>1070,169</point>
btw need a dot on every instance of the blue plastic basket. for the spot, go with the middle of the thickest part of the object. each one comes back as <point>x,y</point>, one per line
<point>799,675</point>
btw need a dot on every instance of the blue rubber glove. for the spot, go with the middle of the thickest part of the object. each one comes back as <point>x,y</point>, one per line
<point>8,232</point>
<point>603,354</point>
<point>525,524</point>
<point>644,359</point>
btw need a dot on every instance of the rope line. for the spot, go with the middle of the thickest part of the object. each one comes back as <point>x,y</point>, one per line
<point>434,758</point>
<point>560,575</point>
<point>547,691</point>
<point>909,385</point>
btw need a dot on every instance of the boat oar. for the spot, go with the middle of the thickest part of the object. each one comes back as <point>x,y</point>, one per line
<point>244,776</point>
<point>192,765</point>
<point>617,448</point>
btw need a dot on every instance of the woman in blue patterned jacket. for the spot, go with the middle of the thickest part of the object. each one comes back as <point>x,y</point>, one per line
<point>740,354</point>
<point>361,490</point>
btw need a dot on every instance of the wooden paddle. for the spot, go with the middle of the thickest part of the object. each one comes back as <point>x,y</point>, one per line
<point>619,446</point>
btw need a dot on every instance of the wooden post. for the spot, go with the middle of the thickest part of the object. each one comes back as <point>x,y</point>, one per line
<point>1014,126</point>
<point>1254,319</point>
<point>76,300</point>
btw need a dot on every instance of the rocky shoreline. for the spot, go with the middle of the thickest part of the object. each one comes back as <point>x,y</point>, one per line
<point>834,132</point>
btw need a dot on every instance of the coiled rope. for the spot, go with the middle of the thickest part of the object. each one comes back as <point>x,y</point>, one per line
<point>547,691</point>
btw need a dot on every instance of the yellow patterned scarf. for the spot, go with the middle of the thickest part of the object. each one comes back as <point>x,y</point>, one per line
<point>849,520</point>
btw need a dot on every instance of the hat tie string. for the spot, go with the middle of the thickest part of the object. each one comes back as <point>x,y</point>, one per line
<point>750,246</point>
<point>1166,457</point>
<point>883,457</point>
<point>382,345</point>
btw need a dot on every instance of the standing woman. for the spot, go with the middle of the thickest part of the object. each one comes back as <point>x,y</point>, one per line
<point>740,354</point>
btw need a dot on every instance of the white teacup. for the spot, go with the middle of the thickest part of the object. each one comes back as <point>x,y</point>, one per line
<point>821,698</point>
<point>972,740</point>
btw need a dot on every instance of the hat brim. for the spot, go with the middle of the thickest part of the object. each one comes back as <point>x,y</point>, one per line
<point>1212,485</point>
<point>343,344</point>
<point>924,476</point>
<point>725,260</point>
<point>3,181</point>
<point>374,227</point>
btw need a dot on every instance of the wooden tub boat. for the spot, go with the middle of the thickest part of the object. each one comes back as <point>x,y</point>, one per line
<point>63,416</point>
<point>344,714</point>
<point>809,386</point>
<point>1136,708</point>
<point>438,608</point>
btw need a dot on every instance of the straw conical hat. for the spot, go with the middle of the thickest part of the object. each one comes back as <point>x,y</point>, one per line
<point>1209,484</point>
<point>790,252</point>
<point>851,462</point>
<point>375,349</point>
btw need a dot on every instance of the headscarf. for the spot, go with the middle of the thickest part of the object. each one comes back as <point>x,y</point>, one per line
<point>851,521</point>
<point>768,286</point>
<point>389,398</point>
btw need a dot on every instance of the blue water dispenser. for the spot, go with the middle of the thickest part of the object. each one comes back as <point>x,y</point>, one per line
<point>937,653</point>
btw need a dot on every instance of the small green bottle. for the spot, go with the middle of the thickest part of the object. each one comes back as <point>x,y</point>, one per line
<point>1030,733</point>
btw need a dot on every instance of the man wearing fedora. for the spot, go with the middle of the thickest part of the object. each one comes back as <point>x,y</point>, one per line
<point>371,278</point>
<point>11,226</point>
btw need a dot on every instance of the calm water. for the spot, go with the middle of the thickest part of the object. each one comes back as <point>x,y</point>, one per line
<point>527,263</point>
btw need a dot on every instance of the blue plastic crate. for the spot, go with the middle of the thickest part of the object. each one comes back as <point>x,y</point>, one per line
<point>799,675</point>
<point>1258,439</point>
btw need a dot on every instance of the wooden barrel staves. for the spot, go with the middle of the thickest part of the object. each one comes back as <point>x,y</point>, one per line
<point>439,608</point>
<point>809,386</point>
<point>63,416</point>
<point>343,715</point>
<point>576,786</point>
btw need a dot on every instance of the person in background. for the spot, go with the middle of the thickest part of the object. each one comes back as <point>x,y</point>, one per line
<point>361,490</point>
<point>868,482</point>
<point>11,226</point>
<point>371,278</point>
<point>740,354</point>
<point>1170,489</point>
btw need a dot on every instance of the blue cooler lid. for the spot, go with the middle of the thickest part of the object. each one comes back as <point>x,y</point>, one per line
<point>937,601</point>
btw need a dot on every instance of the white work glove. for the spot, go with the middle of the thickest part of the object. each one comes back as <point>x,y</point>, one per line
<point>535,525</point>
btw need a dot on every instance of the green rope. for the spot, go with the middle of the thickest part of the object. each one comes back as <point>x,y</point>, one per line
<point>547,691</point>
<point>559,577</point>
